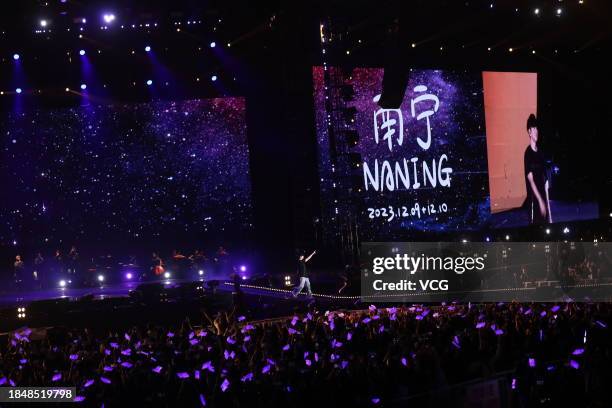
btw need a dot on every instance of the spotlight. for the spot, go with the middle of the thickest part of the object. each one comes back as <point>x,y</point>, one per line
<point>62,283</point>
<point>487,239</point>
<point>547,231</point>
<point>147,48</point>
<point>536,11</point>
<point>16,57</point>
<point>149,82</point>
<point>287,280</point>
<point>566,230</point>
<point>200,272</point>
<point>82,52</point>
<point>128,276</point>
<point>243,268</point>
<point>507,237</point>
<point>108,18</point>
<point>213,44</point>
<point>43,23</point>
<point>83,86</point>
<point>559,11</point>
<point>67,89</point>
<point>18,90</point>
<point>213,78</point>
<point>21,312</point>
<point>167,275</point>
<point>244,277</point>
<point>100,278</point>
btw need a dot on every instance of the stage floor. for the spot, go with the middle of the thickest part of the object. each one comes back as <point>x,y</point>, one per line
<point>122,289</point>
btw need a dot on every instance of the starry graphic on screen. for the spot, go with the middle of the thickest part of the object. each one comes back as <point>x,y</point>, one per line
<point>158,171</point>
<point>421,167</point>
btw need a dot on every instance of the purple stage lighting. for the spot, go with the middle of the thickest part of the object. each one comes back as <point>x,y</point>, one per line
<point>18,90</point>
<point>213,44</point>
<point>16,57</point>
<point>213,78</point>
<point>243,268</point>
<point>129,276</point>
<point>83,86</point>
<point>148,49</point>
<point>149,82</point>
<point>108,18</point>
<point>82,52</point>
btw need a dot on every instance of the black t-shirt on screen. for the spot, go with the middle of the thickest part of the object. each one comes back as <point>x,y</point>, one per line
<point>536,165</point>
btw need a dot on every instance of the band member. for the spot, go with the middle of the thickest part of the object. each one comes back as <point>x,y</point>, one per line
<point>536,179</point>
<point>58,262</point>
<point>198,259</point>
<point>37,271</point>
<point>73,260</point>
<point>303,275</point>
<point>19,270</point>
<point>157,265</point>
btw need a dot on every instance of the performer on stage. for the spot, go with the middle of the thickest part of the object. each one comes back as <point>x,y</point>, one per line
<point>37,272</point>
<point>303,275</point>
<point>19,271</point>
<point>58,262</point>
<point>535,177</point>
<point>157,265</point>
<point>73,260</point>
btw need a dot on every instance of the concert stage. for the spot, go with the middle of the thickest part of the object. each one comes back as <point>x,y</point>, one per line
<point>160,301</point>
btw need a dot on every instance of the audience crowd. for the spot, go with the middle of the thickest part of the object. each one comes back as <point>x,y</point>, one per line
<point>536,354</point>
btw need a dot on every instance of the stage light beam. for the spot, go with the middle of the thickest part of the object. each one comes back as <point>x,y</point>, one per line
<point>16,57</point>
